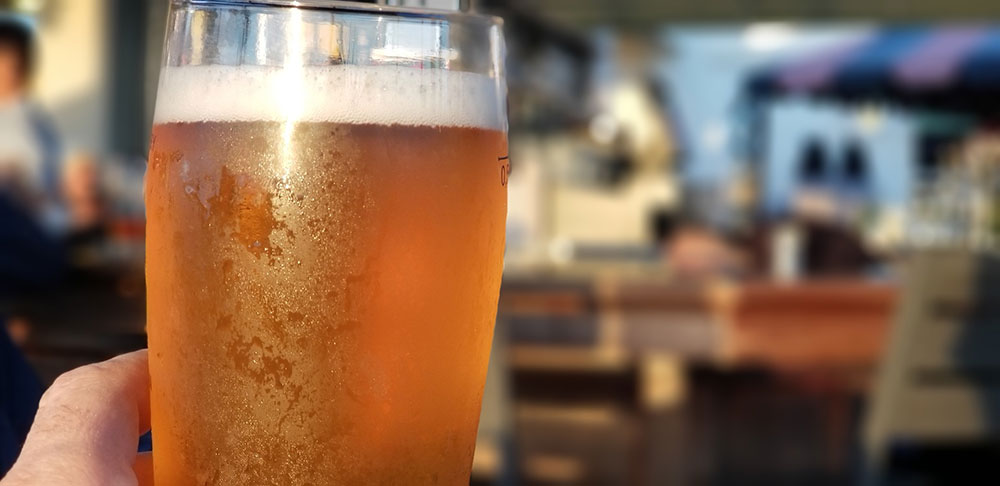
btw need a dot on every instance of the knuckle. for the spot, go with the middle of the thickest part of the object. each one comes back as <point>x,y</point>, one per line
<point>68,401</point>
<point>56,417</point>
<point>67,386</point>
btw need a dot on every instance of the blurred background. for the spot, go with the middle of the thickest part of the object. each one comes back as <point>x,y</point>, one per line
<point>748,242</point>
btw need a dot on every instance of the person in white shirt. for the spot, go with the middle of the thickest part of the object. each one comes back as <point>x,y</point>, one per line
<point>30,152</point>
<point>31,254</point>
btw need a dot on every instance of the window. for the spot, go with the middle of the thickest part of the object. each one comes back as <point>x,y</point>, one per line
<point>813,165</point>
<point>855,168</point>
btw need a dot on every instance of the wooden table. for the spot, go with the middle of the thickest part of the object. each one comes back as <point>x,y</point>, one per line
<point>668,366</point>
<point>819,324</point>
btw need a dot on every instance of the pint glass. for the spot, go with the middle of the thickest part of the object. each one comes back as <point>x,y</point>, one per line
<point>326,203</point>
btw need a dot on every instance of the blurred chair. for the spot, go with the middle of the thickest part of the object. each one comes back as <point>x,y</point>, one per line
<point>572,425</point>
<point>599,376</point>
<point>934,416</point>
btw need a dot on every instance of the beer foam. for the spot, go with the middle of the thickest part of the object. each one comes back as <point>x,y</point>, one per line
<point>384,95</point>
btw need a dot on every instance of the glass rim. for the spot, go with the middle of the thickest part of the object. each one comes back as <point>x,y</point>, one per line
<point>354,7</point>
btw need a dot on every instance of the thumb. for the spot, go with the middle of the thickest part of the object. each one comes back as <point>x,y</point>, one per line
<point>87,428</point>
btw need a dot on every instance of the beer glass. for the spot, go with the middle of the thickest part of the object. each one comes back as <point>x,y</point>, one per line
<point>326,206</point>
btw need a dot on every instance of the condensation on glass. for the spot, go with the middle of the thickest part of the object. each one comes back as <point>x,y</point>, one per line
<point>326,202</point>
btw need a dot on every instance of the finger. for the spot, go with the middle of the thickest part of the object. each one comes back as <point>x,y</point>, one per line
<point>87,428</point>
<point>143,468</point>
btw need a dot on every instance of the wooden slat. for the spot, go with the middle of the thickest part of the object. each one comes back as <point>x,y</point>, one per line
<point>948,412</point>
<point>548,358</point>
<point>948,345</point>
<point>692,335</point>
<point>810,324</point>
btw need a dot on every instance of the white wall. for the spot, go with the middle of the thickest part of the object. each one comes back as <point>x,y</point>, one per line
<point>888,137</point>
<point>71,74</point>
<point>706,69</point>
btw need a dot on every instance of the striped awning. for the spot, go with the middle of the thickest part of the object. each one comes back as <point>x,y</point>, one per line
<point>955,67</point>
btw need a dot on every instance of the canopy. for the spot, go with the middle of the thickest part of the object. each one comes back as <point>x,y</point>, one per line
<point>955,67</point>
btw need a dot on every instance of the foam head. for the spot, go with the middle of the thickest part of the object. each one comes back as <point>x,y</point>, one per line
<point>385,95</point>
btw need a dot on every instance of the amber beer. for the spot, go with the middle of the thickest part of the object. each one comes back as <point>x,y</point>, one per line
<point>321,290</point>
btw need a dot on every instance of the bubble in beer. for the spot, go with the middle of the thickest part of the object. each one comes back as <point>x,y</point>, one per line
<point>323,277</point>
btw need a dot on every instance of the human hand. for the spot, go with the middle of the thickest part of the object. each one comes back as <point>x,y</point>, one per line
<point>87,428</point>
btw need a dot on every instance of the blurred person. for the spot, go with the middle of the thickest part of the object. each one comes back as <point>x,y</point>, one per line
<point>30,253</point>
<point>816,237</point>
<point>824,245</point>
<point>20,391</point>
<point>87,427</point>
<point>30,152</point>
<point>28,258</point>
<point>85,202</point>
<point>830,247</point>
<point>698,252</point>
